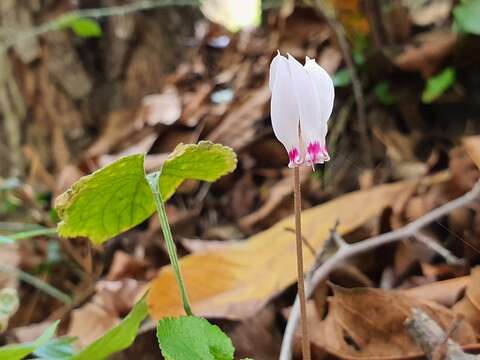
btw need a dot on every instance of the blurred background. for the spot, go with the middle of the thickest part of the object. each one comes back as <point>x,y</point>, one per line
<point>85,82</point>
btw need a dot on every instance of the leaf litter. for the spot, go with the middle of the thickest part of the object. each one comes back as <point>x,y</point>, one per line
<point>153,99</point>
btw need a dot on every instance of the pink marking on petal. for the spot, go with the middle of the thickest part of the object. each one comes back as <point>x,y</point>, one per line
<point>294,157</point>
<point>313,150</point>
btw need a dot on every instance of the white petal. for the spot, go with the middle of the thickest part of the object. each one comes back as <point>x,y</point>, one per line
<point>284,109</point>
<point>324,86</point>
<point>311,124</point>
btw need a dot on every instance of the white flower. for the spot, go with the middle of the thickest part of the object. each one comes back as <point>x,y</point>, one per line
<point>302,102</point>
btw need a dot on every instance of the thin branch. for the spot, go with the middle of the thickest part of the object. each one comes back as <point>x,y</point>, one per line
<point>37,283</point>
<point>350,250</point>
<point>97,13</point>
<point>435,246</point>
<point>431,338</point>
<point>356,83</point>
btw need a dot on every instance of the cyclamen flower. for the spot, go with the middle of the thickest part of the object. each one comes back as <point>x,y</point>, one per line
<point>302,102</point>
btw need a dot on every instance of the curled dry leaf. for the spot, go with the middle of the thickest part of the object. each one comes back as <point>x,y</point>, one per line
<point>236,281</point>
<point>469,306</point>
<point>365,323</point>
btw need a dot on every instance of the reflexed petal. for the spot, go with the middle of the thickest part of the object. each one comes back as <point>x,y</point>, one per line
<point>284,109</point>
<point>324,86</point>
<point>311,124</point>
<point>316,145</point>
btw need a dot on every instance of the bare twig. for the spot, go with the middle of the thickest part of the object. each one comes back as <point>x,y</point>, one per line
<point>97,13</point>
<point>356,84</point>
<point>430,336</point>
<point>435,246</point>
<point>346,251</point>
<point>301,280</point>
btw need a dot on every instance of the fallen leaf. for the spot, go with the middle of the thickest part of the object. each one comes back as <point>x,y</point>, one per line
<point>472,147</point>
<point>236,281</point>
<point>237,129</point>
<point>278,192</point>
<point>365,323</point>
<point>428,54</point>
<point>469,306</point>
<point>430,13</point>
<point>89,322</point>
<point>445,292</point>
<point>164,108</point>
<point>125,266</point>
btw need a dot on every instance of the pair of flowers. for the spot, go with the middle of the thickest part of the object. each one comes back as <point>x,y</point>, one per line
<point>302,102</point>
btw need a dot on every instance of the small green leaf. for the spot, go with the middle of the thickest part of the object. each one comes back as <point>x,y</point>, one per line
<point>383,94</point>
<point>57,349</point>
<point>82,27</point>
<point>19,351</point>
<point>467,15</point>
<point>107,202</point>
<point>203,161</point>
<point>117,338</point>
<point>438,84</point>
<point>342,78</point>
<point>190,337</point>
<point>117,197</point>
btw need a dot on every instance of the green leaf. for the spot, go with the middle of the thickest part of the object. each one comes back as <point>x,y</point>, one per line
<point>22,235</point>
<point>117,197</point>
<point>190,337</point>
<point>57,349</point>
<point>203,161</point>
<point>438,84</point>
<point>467,16</point>
<point>383,94</point>
<point>82,27</point>
<point>19,351</point>
<point>342,78</point>
<point>107,202</point>
<point>117,338</point>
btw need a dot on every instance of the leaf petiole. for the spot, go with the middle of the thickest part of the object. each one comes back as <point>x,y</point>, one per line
<point>152,180</point>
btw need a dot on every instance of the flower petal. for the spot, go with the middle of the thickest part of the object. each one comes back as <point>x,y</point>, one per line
<point>324,86</point>
<point>316,148</point>
<point>311,124</point>
<point>284,109</point>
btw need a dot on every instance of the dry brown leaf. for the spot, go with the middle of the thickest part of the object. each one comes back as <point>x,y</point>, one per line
<point>237,129</point>
<point>365,323</point>
<point>427,56</point>
<point>257,337</point>
<point>118,125</point>
<point>431,12</point>
<point>9,257</point>
<point>445,292</point>
<point>472,146</point>
<point>164,108</point>
<point>235,281</point>
<point>125,266</point>
<point>89,322</point>
<point>469,306</point>
<point>278,192</point>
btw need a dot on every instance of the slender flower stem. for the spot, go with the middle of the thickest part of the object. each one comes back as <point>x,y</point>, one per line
<point>301,280</point>
<point>167,234</point>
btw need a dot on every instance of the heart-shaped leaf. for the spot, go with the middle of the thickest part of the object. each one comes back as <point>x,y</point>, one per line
<point>190,337</point>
